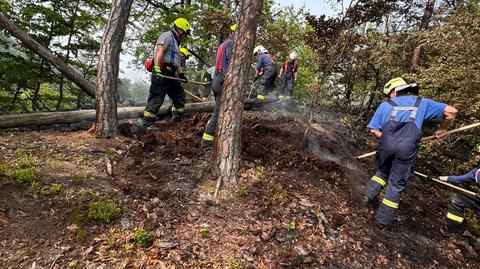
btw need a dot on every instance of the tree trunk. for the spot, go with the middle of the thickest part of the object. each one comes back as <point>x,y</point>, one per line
<point>224,26</point>
<point>417,52</point>
<point>106,123</point>
<point>43,52</point>
<point>227,146</point>
<point>88,115</point>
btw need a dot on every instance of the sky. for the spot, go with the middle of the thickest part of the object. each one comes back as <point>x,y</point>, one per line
<point>316,7</point>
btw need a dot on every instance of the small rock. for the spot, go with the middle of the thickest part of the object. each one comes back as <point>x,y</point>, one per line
<point>125,223</point>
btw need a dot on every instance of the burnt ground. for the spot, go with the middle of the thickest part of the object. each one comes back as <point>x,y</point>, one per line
<point>296,205</point>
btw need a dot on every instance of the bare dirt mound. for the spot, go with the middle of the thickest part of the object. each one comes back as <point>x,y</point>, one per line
<point>293,209</point>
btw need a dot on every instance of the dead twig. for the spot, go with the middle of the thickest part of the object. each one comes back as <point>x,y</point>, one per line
<point>54,261</point>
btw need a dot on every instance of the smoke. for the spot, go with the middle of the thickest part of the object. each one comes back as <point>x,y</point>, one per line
<point>354,174</point>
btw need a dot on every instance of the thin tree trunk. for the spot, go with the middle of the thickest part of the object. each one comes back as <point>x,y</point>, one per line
<point>43,52</point>
<point>227,146</point>
<point>17,92</point>
<point>106,123</point>
<point>67,57</point>
<point>417,52</point>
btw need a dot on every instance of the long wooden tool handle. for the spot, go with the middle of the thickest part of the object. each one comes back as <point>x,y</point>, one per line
<point>466,127</point>
<point>186,81</point>
<point>446,184</point>
<point>193,95</point>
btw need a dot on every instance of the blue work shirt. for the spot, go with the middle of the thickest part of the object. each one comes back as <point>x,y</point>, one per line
<point>263,60</point>
<point>427,110</point>
<point>474,174</point>
<point>224,52</point>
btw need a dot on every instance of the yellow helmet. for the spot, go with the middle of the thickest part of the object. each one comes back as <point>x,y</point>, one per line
<point>185,52</point>
<point>183,24</point>
<point>392,84</point>
<point>233,27</point>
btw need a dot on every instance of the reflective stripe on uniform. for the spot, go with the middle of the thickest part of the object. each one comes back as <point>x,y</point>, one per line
<point>260,97</point>
<point>148,114</point>
<point>454,217</point>
<point>389,203</point>
<point>379,180</point>
<point>181,109</point>
<point>208,137</point>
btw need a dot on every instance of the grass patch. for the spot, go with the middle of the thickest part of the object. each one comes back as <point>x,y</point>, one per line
<point>205,233</point>
<point>22,176</point>
<point>55,164</point>
<point>3,169</point>
<point>143,238</point>
<point>232,263</point>
<point>243,192</point>
<point>36,189</point>
<point>24,159</point>
<point>78,177</point>
<point>105,211</point>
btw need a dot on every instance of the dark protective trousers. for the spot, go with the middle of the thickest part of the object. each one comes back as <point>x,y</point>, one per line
<point>209,133</point>
<point>456,208</point>
<point>160,87</point>
<point>395,159</point>
<point>266,81</point>
<point>286,86</point>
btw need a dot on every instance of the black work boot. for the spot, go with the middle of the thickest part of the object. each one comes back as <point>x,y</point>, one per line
<point>206,144</point>
<point>147,122</point>
<point>177,116</point>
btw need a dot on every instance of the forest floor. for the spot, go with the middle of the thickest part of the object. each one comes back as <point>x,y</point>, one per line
<point>144,200</point>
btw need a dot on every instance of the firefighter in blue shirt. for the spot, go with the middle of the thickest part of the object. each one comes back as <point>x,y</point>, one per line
<point>459,201</point>
<point>265,72</point>
<point>397,124</point>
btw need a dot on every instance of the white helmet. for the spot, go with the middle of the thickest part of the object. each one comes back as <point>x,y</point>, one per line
<point>259,50</point>
<point>292,56</point>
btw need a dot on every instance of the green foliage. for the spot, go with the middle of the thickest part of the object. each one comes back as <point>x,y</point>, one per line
<point>103,210</point>
<point>205,233</point>
<point>22,176</point>
<point>24,159</point>
<point>3,169</point>
<point>143,238</point>
<point>36,189</point>
<point>111,238</point>
<point>291,226</point>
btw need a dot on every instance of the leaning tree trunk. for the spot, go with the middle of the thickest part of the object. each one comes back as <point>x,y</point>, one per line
<point>417,52</point>
<point>106,123</point>
<point>227,146</point>
<point>43,52</point>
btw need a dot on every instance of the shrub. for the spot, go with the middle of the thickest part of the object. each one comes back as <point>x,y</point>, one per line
<point>105,211</point>
<point>143,238</point>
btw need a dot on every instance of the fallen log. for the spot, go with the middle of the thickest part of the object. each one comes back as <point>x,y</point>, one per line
<point>88,115</point>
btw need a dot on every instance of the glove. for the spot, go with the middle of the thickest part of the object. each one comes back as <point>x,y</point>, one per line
<point>156,69</point>
<point>182,76</point>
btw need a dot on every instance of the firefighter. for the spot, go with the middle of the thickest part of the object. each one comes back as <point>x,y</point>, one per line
<point>459,201</point>
<point>184,55</point>
<point>397,124</point>
<point>265,72</point>
<point>222,58</point>
<point>167,63</point>
<point>288,75</point>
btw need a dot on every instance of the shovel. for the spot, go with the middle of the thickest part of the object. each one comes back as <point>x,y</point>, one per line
<point>467,127</point>
<point>445,183</point>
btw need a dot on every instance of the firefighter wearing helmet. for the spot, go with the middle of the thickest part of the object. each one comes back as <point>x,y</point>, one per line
<point>265,72</point>
<point>167,62</point>
<point>397,123</point>
<point>222,59</point>
<point>288,75</point>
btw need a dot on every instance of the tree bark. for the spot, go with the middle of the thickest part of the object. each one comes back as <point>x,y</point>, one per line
<point>106,123</point>
<point>417,52</point>
<point>227,145</point>
<point>43,52</point>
